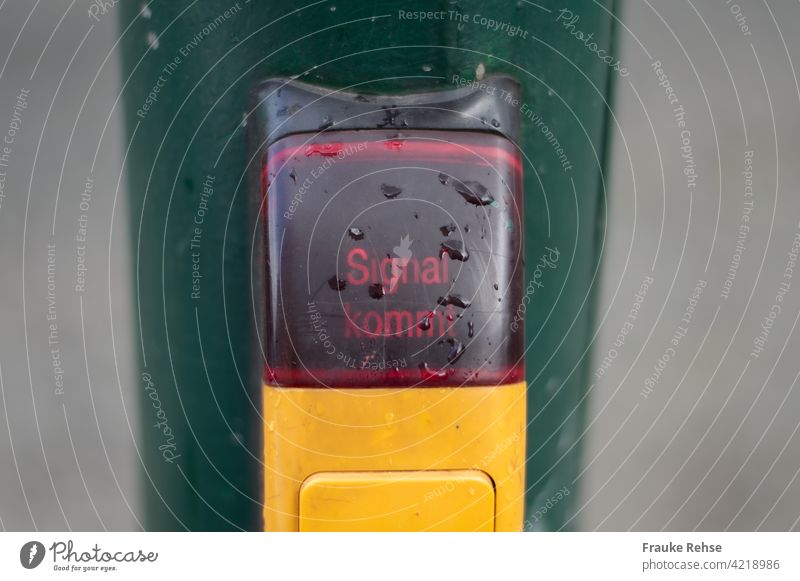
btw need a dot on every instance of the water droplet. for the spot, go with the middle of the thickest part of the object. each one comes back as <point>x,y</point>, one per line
<point>480,72</point>
<point>145,11</point>
<point>389,417</point>
<point>416,215</point>
<point>470,329</point>
<point>427,68</point>
<point>333,8</point>
<point>455,299</point>
<point>427,373</point>
<point>337,284</point>
<point>152,40</point>
<point>496,286</point>
<point>356,233</point>
<point>448,229</point>
<point>376,291</point>
<point>425,323</point>
<point>457,349</point>
<point>394,144</point>
<point>474,192</point>
<point>455,250</point>
<point>293,175</point>
<point>324,149</point>
<point>389,117</point>
<point>327,121</point>
<point>495,123</point>
<point>444,179</point>
<point>390,191</point>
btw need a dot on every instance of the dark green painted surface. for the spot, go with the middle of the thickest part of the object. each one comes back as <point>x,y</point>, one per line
<point>198,350</point>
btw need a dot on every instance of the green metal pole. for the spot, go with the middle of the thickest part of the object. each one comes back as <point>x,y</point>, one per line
<point>188,71</point>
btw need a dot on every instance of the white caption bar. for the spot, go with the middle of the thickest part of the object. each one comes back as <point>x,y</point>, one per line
<point>415,557</point>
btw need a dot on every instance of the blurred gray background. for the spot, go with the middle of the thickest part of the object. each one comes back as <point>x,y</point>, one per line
<point>712,444</point>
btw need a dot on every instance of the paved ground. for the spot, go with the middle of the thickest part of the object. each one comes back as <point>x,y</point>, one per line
<point>712,443</point>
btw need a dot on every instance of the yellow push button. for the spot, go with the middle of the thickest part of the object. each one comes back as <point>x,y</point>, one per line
<point>434,500</point>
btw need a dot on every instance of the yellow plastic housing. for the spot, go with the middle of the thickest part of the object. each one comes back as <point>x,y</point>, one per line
<point>393,436</point>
